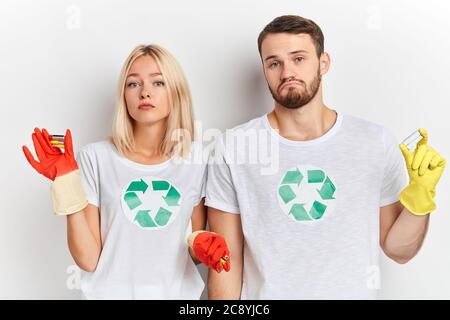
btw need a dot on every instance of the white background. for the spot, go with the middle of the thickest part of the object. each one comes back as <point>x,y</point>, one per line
<point>60,63</point>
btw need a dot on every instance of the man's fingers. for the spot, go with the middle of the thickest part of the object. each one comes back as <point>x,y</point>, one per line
<point>424,135</point>
<point>434,161</point>
<point>406,154</point>
<point>437,161</point>
<point>442,163</point>
<point>419,154</point>
<point>426,162</point>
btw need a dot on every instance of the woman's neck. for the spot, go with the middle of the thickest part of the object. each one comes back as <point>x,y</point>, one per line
<point>148,140</point>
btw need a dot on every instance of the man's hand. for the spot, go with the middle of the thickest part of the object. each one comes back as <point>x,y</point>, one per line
<point>425,167</point>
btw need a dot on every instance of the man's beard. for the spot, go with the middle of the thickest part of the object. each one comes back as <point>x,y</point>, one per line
<point>294,99</point>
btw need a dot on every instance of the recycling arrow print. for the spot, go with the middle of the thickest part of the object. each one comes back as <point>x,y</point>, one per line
<point>150,202</point>
<point>138,186</point>
<point>162,217</point>
<point>286,193</point>
<point>144,219</point>
<point>160,185</point>
<point>327,190</point>
<point>172,197</point>
<point>306,192</point>
<point>299,212</point>
<point>131,198</point>
<point>315,176</point>
<point>293,177</point>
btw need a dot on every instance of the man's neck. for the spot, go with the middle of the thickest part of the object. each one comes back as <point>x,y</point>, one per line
<point>308,122</point>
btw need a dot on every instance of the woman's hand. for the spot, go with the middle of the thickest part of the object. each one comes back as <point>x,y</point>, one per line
<point>52,161</point>
<point>68,196</point>
<point>211,249</point>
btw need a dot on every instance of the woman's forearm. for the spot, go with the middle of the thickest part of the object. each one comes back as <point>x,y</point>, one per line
<point>84,247</point>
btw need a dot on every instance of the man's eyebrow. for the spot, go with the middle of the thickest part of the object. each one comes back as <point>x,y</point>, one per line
<point>298,51</point>
<point>137,74</point>
<point>290,53</point>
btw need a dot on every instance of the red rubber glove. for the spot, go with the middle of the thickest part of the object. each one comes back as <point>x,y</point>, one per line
<point>210,248</point>
<point>52,161</point>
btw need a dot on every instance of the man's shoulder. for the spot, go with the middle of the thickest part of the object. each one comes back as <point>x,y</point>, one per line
<point>352,122</point>
<point>369,131</point>
<point>242,135</point>
<point>254,123</point>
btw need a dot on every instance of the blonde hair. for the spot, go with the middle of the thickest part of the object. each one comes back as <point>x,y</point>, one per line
<point>180,122</point>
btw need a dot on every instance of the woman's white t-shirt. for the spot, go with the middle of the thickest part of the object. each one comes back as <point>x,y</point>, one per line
<point>145,218</point>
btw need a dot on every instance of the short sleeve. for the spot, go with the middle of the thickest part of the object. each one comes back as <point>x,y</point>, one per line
<point>220,187</point>
<point>203,185</point>
<point>395,177</point>
<point>89,176</point>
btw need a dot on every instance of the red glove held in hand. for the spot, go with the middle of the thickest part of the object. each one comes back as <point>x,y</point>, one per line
<point>211,249</point>
<point>52,161</point>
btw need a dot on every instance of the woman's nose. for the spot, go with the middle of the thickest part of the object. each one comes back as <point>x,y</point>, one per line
<point>145,94</point>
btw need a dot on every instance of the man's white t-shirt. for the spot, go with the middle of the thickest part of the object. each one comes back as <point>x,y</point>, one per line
<point>145,219</point>
<point>309,210</point>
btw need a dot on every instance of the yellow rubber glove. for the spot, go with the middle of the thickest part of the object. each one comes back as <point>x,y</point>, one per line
<point>425,167</point>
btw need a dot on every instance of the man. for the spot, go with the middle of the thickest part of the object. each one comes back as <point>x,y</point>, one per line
<point>312,228</point>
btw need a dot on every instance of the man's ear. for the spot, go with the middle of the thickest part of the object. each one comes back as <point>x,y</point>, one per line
<point>324,63</point>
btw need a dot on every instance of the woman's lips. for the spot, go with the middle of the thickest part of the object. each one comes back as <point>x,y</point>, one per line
<point>146,106</point>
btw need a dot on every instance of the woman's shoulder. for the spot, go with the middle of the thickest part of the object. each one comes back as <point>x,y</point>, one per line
<point>96,147</point>
<point>198,154</point>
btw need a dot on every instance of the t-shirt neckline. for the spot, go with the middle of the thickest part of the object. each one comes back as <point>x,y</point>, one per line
<point>136,165</point>
<point>335,128</point>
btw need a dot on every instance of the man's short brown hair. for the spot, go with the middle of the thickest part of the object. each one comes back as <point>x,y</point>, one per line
<point>295,25</point>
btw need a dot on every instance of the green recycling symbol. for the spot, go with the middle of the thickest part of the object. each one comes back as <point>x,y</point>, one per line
<point>306,193</point>
<point>151,202</point>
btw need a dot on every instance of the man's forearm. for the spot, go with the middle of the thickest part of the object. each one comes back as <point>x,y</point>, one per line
<point>406,236</point>
<point>227,285</point>
<point>224,286</point>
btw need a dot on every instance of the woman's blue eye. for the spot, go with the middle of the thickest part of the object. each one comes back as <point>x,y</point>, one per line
<point>133,85</point>
<point>159,83</point>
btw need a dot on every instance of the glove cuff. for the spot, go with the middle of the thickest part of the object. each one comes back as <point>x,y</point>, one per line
<point>417,199</point>
<point>68,195</point>
<point>191,238</point>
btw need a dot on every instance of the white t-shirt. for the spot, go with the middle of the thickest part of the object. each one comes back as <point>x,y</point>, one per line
<point>145,217</point>
<point>310,210</point>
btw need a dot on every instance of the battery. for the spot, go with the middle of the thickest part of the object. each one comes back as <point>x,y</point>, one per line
<point>411,141</point>
<point>57,140</point>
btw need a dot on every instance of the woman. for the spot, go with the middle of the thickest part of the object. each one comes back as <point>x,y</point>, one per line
<point>132,201</point>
